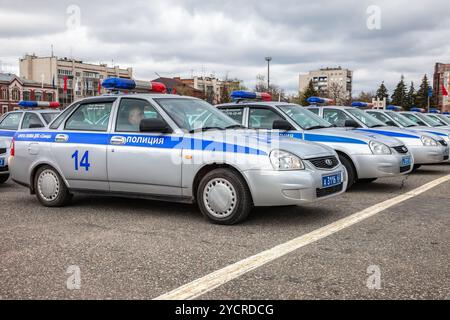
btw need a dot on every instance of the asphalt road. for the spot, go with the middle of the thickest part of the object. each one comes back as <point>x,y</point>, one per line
<point>138,249</point>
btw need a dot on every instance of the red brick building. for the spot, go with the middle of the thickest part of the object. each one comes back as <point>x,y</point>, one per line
<point>441,80</point>
<point>13,89</point>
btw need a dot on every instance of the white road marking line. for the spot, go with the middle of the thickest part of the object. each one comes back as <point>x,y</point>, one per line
<point>213,280</point>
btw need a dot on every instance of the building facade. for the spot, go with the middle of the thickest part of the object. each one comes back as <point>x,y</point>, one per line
<point>441,86</point>
<point>213,89</point>
<point>82,79</point>
<point>331,82</point>
<point>14,88</point>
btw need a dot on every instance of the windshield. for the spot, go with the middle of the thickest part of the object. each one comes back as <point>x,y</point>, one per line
<point>49,117</point>
<point>306,119</point>
<point>404,121</point>
<point>365,118</point>
<point>428,120</point>
<point>442,120</point>
<point>196,115</point>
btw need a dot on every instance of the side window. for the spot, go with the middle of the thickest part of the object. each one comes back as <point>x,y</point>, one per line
<point>314,110</point>
<point>90,117</point>
<point>414,119</point>
<point>336,117</point>
<point>57,122</point>
<point>380,117</point>
<point>131,112</point>
<point>262,118</point>
<point>31,120</point>
<point>11,121</point>
<point>235,114</point>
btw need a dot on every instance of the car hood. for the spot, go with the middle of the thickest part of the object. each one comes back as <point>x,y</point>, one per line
<point>436,131</point>
<point>263,142</point>
<point>366,137</point>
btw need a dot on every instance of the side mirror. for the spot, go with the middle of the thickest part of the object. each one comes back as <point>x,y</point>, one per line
<point>154,125</point>
<point>351,123</point>
<point>35,125</point>
<point>391,123</point>
<point>282,125</point>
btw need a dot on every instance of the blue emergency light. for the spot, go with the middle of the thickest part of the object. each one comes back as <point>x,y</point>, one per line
<point>38,104</point>
<point>319,100</point>
<point>417,110</point>
<point>359,104</point>
<point>434,111</point>
<point>393,108</point>
<point>118,84</point>
<point>247,95</point>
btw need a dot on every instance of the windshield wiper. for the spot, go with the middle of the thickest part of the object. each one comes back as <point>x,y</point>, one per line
<point>205,129</point>
<point>235,126</point>
<point>378,125</point>
<point>316,127</point>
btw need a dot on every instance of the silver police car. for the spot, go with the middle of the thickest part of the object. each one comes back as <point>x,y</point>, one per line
<point>365,156</point>
<point>426,148</point>
<point>12,122</point>
<point>173,148</point>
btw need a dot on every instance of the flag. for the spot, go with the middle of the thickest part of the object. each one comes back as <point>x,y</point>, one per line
<point>65,83</point>
<point>99,89</point>
<point>444,91</point>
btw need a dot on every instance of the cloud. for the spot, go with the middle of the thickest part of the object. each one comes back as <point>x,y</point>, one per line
<point>174,38</point>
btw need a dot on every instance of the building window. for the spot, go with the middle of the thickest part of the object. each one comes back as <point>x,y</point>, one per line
<point>38,96</point>
<point>26,95</point>
<point>4,93</point>
<point>64,72</point>
<point>15,94</point>
<point>49,96</point>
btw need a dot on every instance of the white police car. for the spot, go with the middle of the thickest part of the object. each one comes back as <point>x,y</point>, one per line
<point>25,118</point>
<point>366,156</point>
<point>416,115</point>
<point>171,148</point>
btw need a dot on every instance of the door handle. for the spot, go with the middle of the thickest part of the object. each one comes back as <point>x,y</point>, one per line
<point>61,138</point>
<point>117,140</point>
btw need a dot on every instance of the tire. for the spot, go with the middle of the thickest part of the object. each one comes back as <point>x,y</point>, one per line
<point>351,172</point>
<point>368,180</point>
<point>224,184</point>
<point>50,188</point>
<point>4,178</point>
<point>416,167</point>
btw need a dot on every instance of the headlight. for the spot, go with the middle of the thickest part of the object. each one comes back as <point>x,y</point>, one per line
<point>379,148</point>
<point>283,160</point>
<point>428,141</point>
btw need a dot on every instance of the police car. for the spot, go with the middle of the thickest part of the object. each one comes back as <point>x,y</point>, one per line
<point>395,119</point>
<point>25,118</point>
<point>441,118</point>
<point>425,148</point>
<point>366,157</point>
<point>173,148</point>
<point>416,115</point>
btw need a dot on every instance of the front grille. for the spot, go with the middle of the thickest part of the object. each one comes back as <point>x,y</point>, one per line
<point>2,150</point>
<point>401,149</point>
<point>443,143</point>
<point>325,163</point>
<point>328,191</point>
<point>405,169</point>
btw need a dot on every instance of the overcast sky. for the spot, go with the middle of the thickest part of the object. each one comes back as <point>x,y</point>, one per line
<point>177,38</point>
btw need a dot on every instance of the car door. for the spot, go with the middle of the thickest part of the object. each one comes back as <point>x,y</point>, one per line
<point>80,145</point>
<point>142,163</point>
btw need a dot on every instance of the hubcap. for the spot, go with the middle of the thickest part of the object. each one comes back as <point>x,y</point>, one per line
<point>48,185</point>
<point>219,197</point>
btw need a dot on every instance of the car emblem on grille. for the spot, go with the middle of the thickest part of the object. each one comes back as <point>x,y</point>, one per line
<point>329,162</point>
<point>404,149</point>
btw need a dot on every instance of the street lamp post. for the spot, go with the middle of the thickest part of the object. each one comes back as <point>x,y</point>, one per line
<point>268,59</point>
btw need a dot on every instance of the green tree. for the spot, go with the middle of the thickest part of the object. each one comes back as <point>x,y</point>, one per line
<point>365,97</point>
<point>382,93</point>
<point>309,92</point>
<point>422,93</point>
<point>410,97</point>
<point>400,94</point>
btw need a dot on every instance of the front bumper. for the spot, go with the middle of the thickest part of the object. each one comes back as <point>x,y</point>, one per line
<point>285,188</point>
<point>379,166</point>
<point>429,155</point>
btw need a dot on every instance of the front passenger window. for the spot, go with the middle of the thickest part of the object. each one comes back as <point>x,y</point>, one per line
<point>336,117</point>
<point>31,120</point>
<point>262,118</point>
<point>131,112</point>
<point>90,117</point>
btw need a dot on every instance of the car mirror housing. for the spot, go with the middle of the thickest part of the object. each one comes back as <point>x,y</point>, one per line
<point>351,123</point>
<point>282,125</point>
<point>154,125</point>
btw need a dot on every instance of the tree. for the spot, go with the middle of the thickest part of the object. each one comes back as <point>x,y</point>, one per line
<point>410,97</point>
<point>422,93</point>
<point>382,93</point>
<point>365,97</point>
<point>309,92</point>
<point>276,92</point>
<point>337,92</point>
<point>400,94</point>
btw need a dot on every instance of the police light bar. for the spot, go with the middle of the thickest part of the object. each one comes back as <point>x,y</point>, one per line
<point>394,108</point>
<point>319,100</point>
<point>359,104</point>
<point>118,84</point>
<point>417,110</point>
<point>446,113</point>
<point>38,104</point>
<point>435,111</point>
<point>236,95</point>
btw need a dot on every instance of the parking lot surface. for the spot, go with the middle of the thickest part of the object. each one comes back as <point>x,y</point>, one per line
<point>139,249</point>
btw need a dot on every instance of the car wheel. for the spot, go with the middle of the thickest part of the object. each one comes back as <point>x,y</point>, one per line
<point>51,190</point>
<point>351,173</point>
<point>224,197</point>
<point>4,178</point>
<point>368,180</point>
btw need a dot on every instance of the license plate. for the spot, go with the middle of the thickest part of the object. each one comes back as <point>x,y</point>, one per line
<point>446,152</point>
<point>332,180</point>
<point>2,162</point>
<point>406,161</point>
